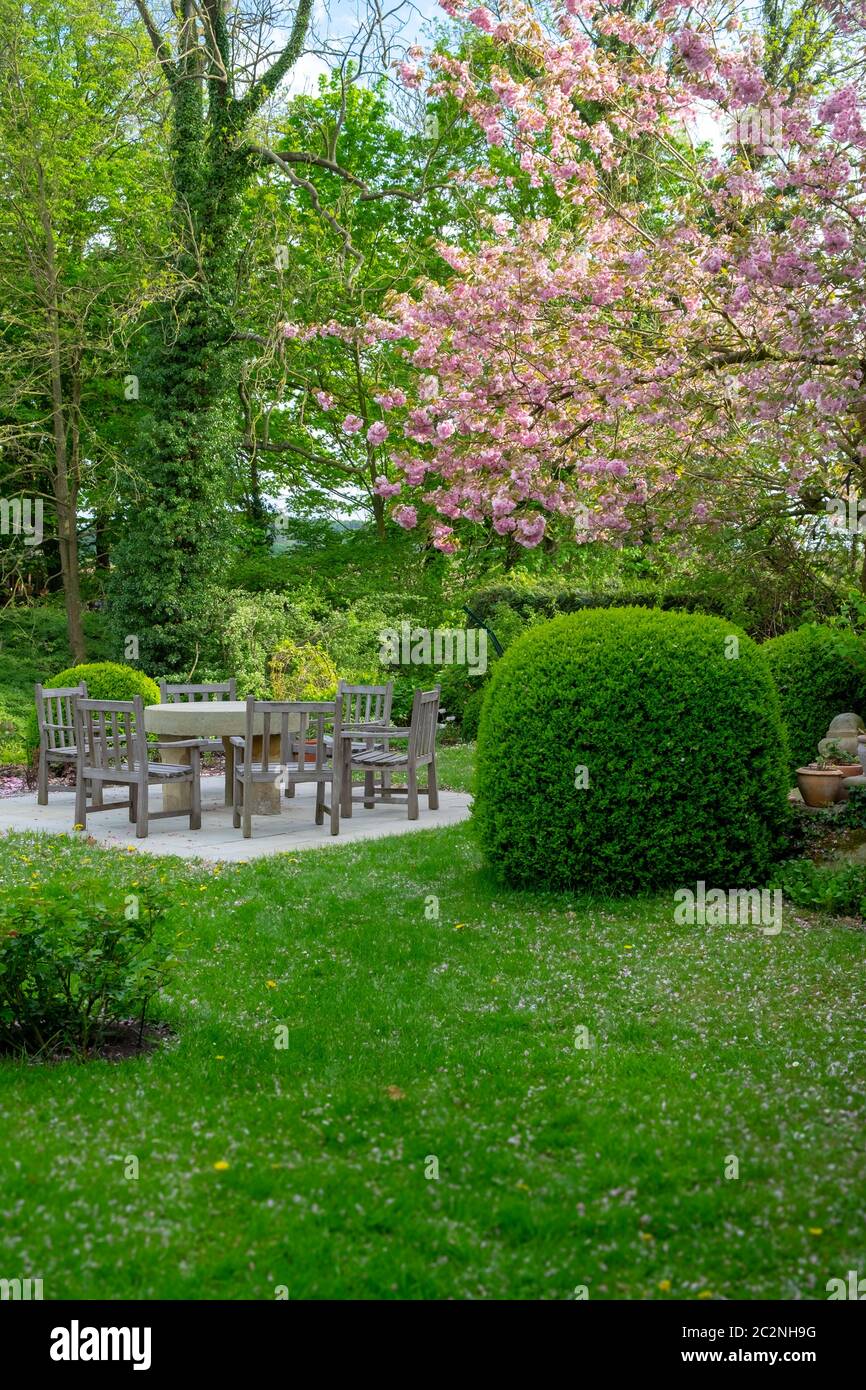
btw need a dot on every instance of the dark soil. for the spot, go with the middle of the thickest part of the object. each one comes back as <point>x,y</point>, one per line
<point>120,1042</point>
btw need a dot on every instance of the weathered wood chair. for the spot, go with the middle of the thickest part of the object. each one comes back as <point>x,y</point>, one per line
<point>113,750</point>
<point>421,752</point>
<point>192,694</point>
<point>302,755</point>
<point>55,716</point>
<point>369,705</point>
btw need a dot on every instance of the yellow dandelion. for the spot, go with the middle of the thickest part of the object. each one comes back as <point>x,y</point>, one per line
<point>460,926</point>
<point>221,1166</point>
<point>645,1235</point>
<point>665,1285</point>
<point>219,1057</point>
<point>816,1230</point>
<point>271,984</point>
<point>705,1293</point>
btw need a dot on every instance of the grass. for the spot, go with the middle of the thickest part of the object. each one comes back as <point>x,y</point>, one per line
<point>416,1041</point>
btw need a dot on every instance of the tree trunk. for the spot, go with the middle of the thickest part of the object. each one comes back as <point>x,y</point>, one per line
<point>65,479</point>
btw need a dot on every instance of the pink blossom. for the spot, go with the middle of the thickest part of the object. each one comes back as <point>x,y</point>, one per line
<point>377,433</point>
<point>352,424</point>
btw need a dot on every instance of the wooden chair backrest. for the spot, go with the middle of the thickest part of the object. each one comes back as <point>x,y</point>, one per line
<point>425,715</point>
<point>55,714</point>
<point>314,720</point>
<point>192,694</point>
<point>112,734</point>
<point>365,704</point>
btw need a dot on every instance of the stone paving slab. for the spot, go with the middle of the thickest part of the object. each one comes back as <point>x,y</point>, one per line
<point>294,829</point>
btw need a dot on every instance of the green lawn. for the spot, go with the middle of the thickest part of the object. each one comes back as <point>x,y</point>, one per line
<point>412,1038</point>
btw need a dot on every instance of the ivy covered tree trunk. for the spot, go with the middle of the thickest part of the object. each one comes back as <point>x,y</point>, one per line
<point>173,551</point>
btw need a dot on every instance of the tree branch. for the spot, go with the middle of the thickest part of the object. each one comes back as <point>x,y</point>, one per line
<point>158,41</point>
<point>259,92</point>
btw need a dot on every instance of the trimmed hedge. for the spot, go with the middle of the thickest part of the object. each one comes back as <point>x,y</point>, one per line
<point>684,748</point>
<point>550,602</point>
<point>819,672</point>
<point>105,680</point>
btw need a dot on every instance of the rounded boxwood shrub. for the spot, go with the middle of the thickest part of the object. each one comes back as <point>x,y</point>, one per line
<point>674,728</point>
<point>819,672</point>
<point>105,680</point>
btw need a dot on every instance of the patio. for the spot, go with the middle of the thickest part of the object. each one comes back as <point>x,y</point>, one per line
<point>294,829</point>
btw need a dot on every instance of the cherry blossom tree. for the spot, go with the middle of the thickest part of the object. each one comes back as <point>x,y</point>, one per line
<point>635,367</point>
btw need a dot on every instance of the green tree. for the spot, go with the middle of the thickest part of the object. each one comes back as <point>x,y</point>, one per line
<point>78,192</point>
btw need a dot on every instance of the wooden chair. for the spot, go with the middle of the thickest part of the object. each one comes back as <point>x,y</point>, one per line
<point>192,694</point>
<point>55,716</point>
<point>421,752</point>
<point>291,762</point>
<point>369,705</point>
<point>113,750</point>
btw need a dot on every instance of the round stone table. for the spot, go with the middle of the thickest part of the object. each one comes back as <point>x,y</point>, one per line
<point>213,719</point>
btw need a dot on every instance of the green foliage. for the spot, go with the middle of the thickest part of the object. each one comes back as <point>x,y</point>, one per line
<point>549,600</point>
<point>854,810</point>
<point>254,627</point>
<point>684,750</point>
<point>839,889</point>
<point>819,672</point>
<point>72,963</point>
<point>472,714</point>
<point>33,641</point>
<point>300,671</point>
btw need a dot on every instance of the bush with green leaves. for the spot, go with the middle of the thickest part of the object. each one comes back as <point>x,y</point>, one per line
<point>72,964</point>
<point>625,749</point>
<point>819,672</point>
<point>836,888</point>
<point>105,680</point>
<point>301,671</point>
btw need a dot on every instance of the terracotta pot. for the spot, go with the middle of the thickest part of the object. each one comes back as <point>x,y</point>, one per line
<point>820,788</point>
<point>850,769</point>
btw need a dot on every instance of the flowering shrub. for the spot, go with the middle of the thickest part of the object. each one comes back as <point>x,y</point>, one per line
<point>733,316</point>
<point>623,749</point>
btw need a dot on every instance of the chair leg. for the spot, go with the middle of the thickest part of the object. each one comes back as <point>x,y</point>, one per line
<point>248,811</point>
<point>97,794</point>
<point>133,802</point>
<point>228,796</point>
<point>386,786</point>
<point>320,803</point>
<point>335,807</point>
<point>195,793</point>
<point>42,793</point>
<point>432,786</point>
<point>80,801</point>
<point>412,792</point>
<point>346,789</point>
<point>236,804</point>
<point>369,790</point>
<point>141,811</point>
